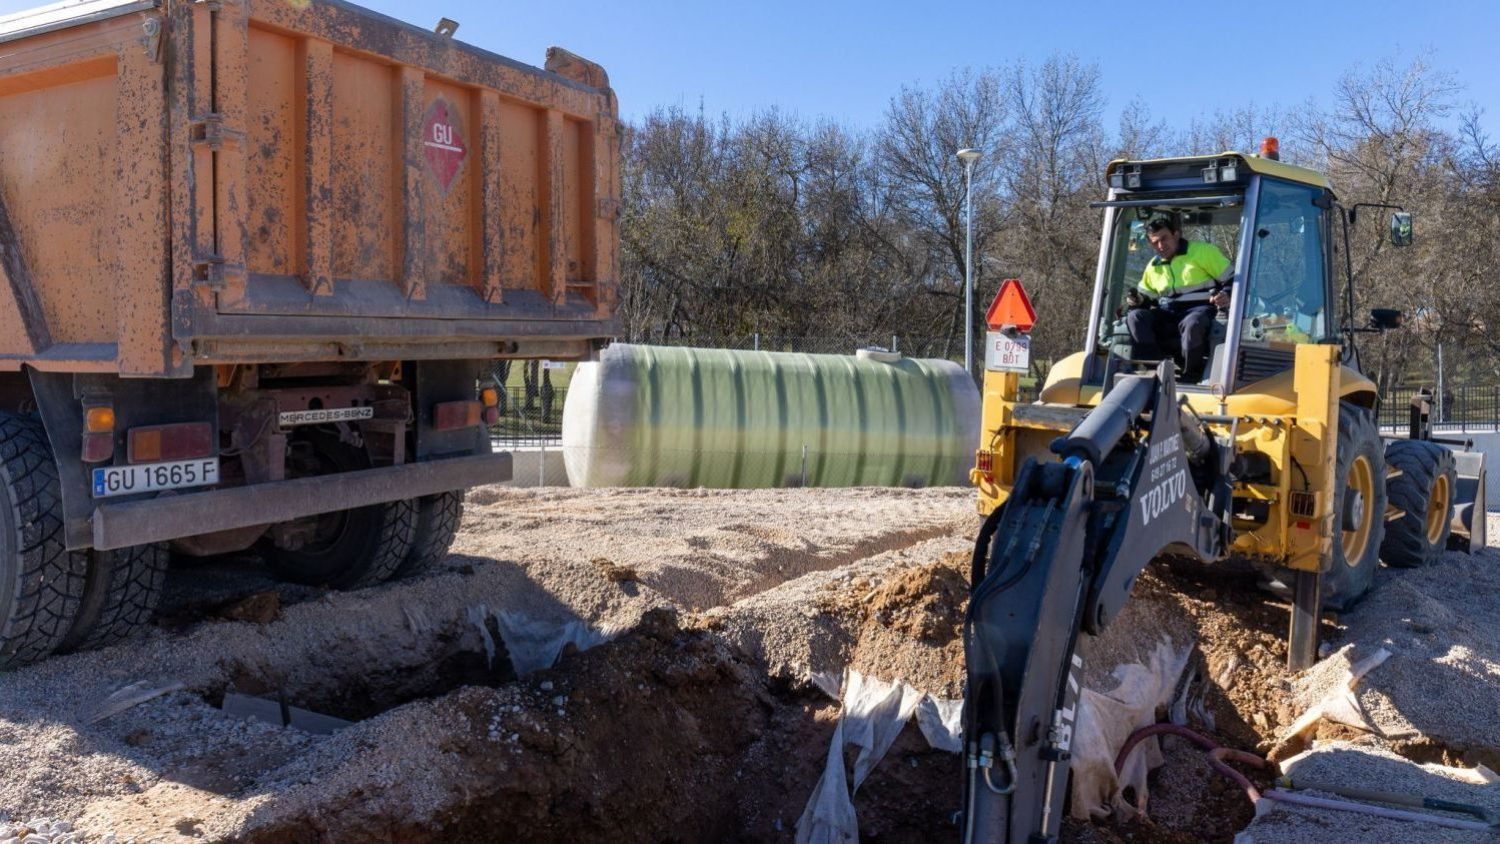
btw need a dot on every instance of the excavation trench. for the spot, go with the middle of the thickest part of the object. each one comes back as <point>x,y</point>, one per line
<point>664,733</point>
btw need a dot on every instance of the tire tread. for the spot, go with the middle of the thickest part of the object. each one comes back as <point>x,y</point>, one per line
<point>47,580</point>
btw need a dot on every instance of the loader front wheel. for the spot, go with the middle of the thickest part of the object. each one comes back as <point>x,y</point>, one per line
<point>1424,489</point>
<point>1359,509</point>
<point>41,581</point>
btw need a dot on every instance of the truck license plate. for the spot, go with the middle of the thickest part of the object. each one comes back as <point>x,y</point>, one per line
<point>150,477</point>
<point>1005,353</point>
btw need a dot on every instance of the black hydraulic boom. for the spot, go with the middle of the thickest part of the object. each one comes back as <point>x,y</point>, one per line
<point>1052,567</point>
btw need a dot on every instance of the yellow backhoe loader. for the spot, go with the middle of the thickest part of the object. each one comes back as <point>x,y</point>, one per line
<point>1272,454</point>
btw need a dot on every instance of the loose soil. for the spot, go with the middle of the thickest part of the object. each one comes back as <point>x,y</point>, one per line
<point>728,617</point>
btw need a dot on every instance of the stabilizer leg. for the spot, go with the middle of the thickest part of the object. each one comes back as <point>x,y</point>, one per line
<point>1302,639</point>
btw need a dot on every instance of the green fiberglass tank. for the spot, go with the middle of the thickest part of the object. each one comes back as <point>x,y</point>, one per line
<point>659,416</point>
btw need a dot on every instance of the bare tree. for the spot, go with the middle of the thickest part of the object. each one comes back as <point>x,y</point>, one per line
<point>923,180</point>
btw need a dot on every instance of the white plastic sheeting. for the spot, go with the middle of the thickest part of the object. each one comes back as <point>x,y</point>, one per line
<point>1106,719</point>
<point>875,711</point>
<point>534,644</point>
<point>874,714</point>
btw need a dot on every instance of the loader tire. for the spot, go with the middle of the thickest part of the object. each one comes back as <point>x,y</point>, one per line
<point>1424,489</point>
<point>350,549</point>
<point>41,581</point>
<point>437,523</point>
<point>1361,522</point>
<point>120,593</point>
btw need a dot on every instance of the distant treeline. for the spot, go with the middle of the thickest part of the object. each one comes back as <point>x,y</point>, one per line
<point>787,226</point>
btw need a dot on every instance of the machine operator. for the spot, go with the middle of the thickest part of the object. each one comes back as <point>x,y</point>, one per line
<point>1172,309</point>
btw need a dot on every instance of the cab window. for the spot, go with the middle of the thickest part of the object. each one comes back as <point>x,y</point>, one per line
<point>1286,295</point>
<point>1130,252</point>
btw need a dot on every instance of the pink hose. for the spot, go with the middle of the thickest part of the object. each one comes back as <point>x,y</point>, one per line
<point>1216,754</point>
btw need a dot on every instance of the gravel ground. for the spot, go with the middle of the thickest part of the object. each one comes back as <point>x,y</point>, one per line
<point>767,594</point>
<point>1433,707</point>
<point>175,767</point>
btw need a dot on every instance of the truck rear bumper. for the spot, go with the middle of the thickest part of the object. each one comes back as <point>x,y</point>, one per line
<point>174,516</point>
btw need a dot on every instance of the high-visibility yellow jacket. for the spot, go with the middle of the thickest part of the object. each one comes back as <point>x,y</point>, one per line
<point>1196,265</point>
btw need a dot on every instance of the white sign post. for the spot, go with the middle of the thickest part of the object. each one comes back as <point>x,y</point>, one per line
<point>1007,352</point>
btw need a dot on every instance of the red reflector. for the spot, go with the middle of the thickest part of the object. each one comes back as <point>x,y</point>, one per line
<point>183,441</point>
<point>98,447</point>
<point>1011,307</point>
<point>985,461</point>
<point>452,415</point>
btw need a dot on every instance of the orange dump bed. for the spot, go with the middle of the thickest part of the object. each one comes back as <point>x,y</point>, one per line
<point>253,181</point>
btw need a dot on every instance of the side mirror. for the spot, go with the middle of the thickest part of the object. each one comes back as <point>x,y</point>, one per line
<point>1385,319</point>
<point>1400,229</point>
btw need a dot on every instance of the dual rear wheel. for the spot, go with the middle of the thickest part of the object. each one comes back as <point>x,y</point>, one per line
<point>1423,486</point>
<point>53,600</point>
<point>352,549</point>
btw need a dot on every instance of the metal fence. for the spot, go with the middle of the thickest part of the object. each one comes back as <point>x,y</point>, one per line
<point>911,345</point>
<point>529,418</point>
<point>1463,409</point>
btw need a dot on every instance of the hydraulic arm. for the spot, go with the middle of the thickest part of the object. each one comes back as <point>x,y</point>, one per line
<point>1052,567</point>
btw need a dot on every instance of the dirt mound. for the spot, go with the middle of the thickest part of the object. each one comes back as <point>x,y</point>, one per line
<point>908,623</point>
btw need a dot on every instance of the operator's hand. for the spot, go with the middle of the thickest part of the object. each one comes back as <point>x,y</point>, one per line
<point>1133,298</point>
<point>1220,299</point>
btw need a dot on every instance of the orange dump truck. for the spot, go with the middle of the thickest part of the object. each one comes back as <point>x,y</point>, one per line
<point>255,258</point>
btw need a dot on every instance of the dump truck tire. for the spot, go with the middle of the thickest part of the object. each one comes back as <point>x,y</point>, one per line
<point>1356,546</point>
<point>120,594</point>
<point>357,548</point>
<point>437,523</point>
<point>1424,489</point>
<point>41,581</point>
<point>351,549</point>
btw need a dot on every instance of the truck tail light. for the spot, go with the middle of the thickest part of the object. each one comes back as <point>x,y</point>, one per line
<point>182,441</point>
<point>491,398</point>
<point>453,415</point>
<point>98,433</point>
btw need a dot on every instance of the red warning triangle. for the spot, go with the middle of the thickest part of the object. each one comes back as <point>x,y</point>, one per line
<point>1011,307</point>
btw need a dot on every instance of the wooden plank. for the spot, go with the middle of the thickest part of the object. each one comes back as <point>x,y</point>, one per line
<point>486,174</point>
<point>142,298</point>
<point>316,134</point>
<point>551,178</point>
<point>408,127</point>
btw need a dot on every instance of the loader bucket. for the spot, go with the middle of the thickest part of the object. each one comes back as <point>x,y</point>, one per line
<point>1468,503</point>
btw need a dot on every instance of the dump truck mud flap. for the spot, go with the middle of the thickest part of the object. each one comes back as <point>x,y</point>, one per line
<point>173,516</point>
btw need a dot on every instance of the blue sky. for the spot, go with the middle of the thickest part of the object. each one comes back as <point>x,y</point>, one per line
<point>844,60</point>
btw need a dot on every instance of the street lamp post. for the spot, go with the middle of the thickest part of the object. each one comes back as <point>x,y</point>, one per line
<point>968,155</point>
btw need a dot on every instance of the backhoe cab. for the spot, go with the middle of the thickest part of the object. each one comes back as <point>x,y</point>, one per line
<point>1273,455</point>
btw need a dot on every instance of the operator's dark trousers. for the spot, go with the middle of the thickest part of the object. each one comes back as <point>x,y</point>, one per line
<point>1181,331</point>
